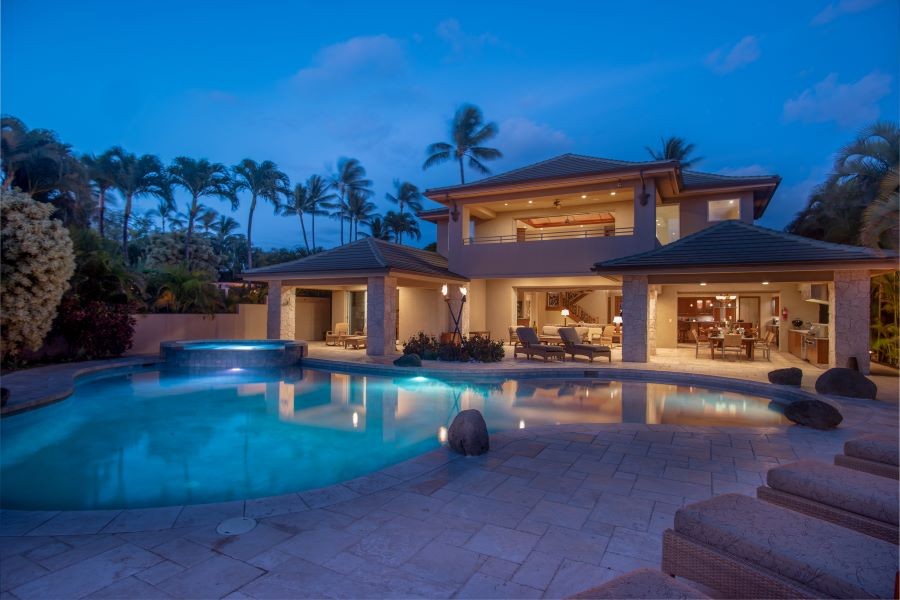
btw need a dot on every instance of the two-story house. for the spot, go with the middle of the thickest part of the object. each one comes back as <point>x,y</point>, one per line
<point>646,248</point>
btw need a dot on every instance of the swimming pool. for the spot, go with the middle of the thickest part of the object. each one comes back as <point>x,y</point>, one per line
<point>151,437</point>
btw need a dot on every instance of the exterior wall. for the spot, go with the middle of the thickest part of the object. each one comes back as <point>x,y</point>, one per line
<point>798,308</point>
<point>420,310</point>
<point>313,318</point>
<point>441,239</point>
<point>339,308</point>
<point>635,315</point>
<point>249,323</point>
<point>849,303</point>
<point>694,215</point>
<point>667,317</point>
<point>477,305</point>
<point>644,215</point>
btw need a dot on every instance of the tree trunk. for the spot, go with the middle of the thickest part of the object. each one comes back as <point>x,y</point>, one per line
<point>342,217</point>
<point>190,232</point>
<point>303,229</point>
<point>313,217</point>
<point>462,176</point>
<point>125,217</point>
<point>250,232</point>
<point>400,233</point>
<point>7,181</point>
<point>101,209</point>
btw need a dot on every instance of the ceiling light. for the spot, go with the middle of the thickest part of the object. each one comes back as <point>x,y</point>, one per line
<point>612,193</point>
<point>702,283</point>
<point>530,201</point>
<point>584,195</point>
<point>731,202</point>
<point>765,283</point>
<point>506,204</point>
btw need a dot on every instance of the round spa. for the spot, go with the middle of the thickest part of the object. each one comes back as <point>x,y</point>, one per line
<point>232,354</point>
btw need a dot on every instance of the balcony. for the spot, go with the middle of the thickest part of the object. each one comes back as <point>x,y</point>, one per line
<point>541,236</point>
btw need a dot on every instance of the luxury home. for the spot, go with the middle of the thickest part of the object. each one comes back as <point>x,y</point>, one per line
<point>644,255</point>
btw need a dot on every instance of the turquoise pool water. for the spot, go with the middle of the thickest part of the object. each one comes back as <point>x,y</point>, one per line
<point>154,438</point>
<point>232,345</point>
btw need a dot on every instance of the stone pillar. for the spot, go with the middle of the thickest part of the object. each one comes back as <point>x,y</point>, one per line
<point>281,312</point>
<point>456,297</point>
<point>848,334</point>
<point>652,294</point>
<point>381,316</point>
<point>635,313</point>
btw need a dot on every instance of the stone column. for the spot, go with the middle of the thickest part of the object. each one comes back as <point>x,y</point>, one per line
<point>281,312</point>
<point>635,312</point>
<point>652,294</point>
<point>456,297</point>
<point>381,316</point>
<point>848,334</point>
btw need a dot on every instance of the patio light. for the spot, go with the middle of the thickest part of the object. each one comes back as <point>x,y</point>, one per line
<point>444,290</point>
<point>457,315</point>
<point>565,314</point>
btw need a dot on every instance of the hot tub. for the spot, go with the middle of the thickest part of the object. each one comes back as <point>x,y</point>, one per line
<point>232,354</point>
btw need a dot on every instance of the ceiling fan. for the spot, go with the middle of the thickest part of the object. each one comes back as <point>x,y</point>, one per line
<point>557,203</point>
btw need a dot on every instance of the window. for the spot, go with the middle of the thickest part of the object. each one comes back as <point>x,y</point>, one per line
<point>724,210</point>
<point>668,227</point>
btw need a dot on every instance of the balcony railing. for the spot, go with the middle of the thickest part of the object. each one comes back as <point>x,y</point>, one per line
<point>541,236</point>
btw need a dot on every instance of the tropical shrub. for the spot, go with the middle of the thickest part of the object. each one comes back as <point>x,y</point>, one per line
<point>470,349</point>
<point>179,290</point>
<point>94,328</point>
<point>167,250</point>
<point>37,262</point>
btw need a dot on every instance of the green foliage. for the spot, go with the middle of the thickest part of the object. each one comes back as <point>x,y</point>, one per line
<point>178,290</point>
<point>167,249</point>
<point>885,330</point>
<point>469,133</point>
<point>37,262</point>
<point>675,148</point>
<point>470,349</point>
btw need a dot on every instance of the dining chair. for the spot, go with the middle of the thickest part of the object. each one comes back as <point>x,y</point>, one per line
<point>764,345</point>
<point>697,343</point>
<point>733,342</point>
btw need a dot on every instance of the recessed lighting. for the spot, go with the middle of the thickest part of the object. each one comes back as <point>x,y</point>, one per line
<point>530,201</point>
<point>702,283</point>
<point>765,283</point>
<point>582,226</point>
<point>612,193</point>
<point>584,195</point>
<point>506,204</point>
<point>731,202</point>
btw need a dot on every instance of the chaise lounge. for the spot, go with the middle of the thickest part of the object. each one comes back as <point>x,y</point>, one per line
<point>746,548</point>
<point>875,454</point>
<point>573,345</point>
<point>853,499</point>
<point>530,345</point>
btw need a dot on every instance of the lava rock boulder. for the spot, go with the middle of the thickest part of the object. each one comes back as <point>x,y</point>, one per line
<point>468,434</point>
<point>813,413</point>
<point>846,382</point>
<point>408,360</point>
<point>790,376</point>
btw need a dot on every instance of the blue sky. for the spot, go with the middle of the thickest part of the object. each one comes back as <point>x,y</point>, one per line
<point>761,87</point>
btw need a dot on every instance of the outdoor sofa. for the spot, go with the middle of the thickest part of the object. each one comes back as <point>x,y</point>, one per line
<point>875,454</point>
<point>572,343</point>
<point>854,499</point>
<point>743,547</point>
<point>530,345</point>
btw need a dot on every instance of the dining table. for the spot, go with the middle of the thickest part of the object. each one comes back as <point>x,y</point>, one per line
<point>716,342</point>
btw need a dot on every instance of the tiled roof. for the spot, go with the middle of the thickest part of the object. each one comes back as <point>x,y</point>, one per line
<point>364,256</point>
<point>432,213</point>
<point>735,243</point>
<point>695,179</point>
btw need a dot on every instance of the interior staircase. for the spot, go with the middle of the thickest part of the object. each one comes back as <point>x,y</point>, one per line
<point>576,312</point>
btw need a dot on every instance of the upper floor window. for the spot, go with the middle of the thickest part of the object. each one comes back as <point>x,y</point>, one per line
<point>723,210</point>
<point>668,223</point>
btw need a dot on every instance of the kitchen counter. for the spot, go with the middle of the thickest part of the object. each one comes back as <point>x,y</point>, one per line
<point>816,352</point>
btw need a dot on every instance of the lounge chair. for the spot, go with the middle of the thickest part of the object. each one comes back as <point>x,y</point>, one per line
<point>860,501</point>
<point>573,345</point>
<point>746,548</point>
<point>875,454</point>
<point>530,345</point>
<point>336,336</point>
<point>642,583</point>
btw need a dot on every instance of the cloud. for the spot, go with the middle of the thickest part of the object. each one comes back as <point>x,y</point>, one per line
<point>461,42</point>
<point>724,60</point>
<point>748,170</point>
<point>848,104</point>
<point>379,55</point>
<point>522,139</point>
<point>842,7</point>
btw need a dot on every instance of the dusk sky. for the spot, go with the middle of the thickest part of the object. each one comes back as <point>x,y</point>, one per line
<point>759,87</point>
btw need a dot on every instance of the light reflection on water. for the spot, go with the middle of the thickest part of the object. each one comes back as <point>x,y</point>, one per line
<point>153,439</point>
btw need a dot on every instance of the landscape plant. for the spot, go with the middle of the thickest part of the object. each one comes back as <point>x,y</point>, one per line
<point>469,349</point>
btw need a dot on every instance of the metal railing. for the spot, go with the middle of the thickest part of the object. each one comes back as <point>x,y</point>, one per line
<point>541,236</point>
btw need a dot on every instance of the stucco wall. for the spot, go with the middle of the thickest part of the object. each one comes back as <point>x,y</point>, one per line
<point>667,317</point>
<point>339,308</point>
<point>249,323</point>
<point>421,310</point>
<point>313,318</point>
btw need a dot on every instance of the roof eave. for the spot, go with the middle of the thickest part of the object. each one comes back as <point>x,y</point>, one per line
<point>828,265</point>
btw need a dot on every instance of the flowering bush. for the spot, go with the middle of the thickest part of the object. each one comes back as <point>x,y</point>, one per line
<point>470,349</point>
<point>94,328</point>
<point>37,262</point>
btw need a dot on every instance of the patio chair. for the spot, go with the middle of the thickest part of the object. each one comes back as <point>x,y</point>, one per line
<point>697,343</point>
<point>530,345</point>
<point>860,501</point>
<point>764,345</point>
<point>733,342</point>
<point>573,345</point>
<point>742,547</point>
<point>875,454</point>
<point>336,336</point>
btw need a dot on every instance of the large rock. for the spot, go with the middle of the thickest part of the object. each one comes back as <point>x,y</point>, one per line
<point>4,396</point>
<point>813,413</point>
<point>409,360</point>
<point>468,434</point>
<point>846,382</point>
<point>790,376</point>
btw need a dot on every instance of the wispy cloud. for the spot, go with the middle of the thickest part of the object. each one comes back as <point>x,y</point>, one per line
<point>377,55</point>
<point>842,7</point>
<point>847,104</point>
<point>460,42</point>
<point>725,60</point>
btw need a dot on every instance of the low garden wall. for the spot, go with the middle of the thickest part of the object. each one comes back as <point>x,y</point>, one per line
<point>151,329</point>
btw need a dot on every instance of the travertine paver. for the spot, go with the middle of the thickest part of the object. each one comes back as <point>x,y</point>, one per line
<point>548,512</point>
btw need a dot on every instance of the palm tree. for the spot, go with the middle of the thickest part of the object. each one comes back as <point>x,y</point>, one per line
<point>349,181</point>
<point>359,210</point>
<point>408,195</point>
<point>201,179</point>
<point>318,201</point>
<point>869,158</point>
<point>400,223</point>
<point>378,229</point>
<point>207,218</point>
<point>102,172</point>
<point>675,148</point>
<point>297,203</point>
<point>262,180</point>
<point>468,132</point>
<point>137,177</point>
<point>163,211</point>
<point>21,145</point>
<point>881,219</point>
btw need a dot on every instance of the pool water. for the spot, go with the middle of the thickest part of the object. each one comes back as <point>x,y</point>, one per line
<point>155,438</point>
<point>232,346</point>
